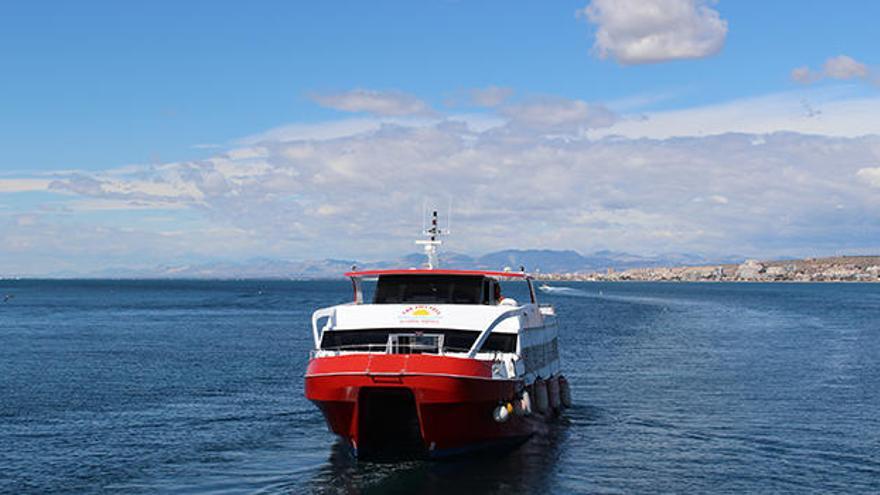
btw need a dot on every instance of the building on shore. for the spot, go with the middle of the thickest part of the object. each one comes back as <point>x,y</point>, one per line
<point>834,269</point>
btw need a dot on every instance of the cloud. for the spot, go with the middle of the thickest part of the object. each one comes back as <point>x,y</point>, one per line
<point>650,31</point>
<point>841,67</point>
<point>642,101</point>
<point>47,245</point>
<point>323,131</point>
<point>827,111</point>
<point>25,220</point>
<point>558,115</point>
<point>546,172</point>
<point>804,75</point>
<point>490,97</point>
<point>718,199</point>
<point>116,205</point>
<point>23,185</point>
<point>360,196</point>
<point>167,185</point>
<point>870,176</point>
<point>383,103</point>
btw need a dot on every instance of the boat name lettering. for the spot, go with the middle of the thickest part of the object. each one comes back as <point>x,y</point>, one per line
<point>420,314</point>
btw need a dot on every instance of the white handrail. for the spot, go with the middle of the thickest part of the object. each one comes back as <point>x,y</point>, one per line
<point>316,317</point>
<point>485,334</point>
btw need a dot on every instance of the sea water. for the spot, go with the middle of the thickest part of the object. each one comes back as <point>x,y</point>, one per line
<point>197,386</point>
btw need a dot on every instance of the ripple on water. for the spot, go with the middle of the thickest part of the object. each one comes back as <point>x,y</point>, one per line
<point>194,387</point>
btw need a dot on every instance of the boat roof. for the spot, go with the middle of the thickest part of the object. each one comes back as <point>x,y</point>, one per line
<point>423,271</point>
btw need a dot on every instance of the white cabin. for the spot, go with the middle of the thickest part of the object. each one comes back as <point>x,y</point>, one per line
<point>454,313</point>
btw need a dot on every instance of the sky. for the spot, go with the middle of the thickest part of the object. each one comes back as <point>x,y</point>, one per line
<point>161,133</point>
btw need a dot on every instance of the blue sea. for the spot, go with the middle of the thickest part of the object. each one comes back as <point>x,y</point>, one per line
<point>197,387</point>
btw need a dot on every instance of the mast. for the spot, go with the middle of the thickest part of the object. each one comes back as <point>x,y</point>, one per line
<point>432,242</point>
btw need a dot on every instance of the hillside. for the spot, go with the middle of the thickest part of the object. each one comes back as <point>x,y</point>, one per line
<point>830,269</point>
<point>534,260</point>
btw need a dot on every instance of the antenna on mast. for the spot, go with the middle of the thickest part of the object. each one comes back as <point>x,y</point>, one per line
<point>432,242</point>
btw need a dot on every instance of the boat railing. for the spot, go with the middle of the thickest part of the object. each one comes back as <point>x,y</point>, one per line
<point>368,348</point>
<point>383,349</point>
<point>484,335</point>
<point>330,314</point>
<point>414,343</point>
<point>317,316</point>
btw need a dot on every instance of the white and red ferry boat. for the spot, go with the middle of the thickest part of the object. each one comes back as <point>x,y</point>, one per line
<point>438,363</point>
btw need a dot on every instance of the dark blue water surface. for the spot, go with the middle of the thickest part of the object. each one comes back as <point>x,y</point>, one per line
<point>193,387</point>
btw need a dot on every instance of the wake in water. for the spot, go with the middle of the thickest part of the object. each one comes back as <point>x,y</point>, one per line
<point>565,291</point>
<point>624,298</point>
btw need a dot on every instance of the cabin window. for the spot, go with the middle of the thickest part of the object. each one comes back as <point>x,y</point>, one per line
<point>375,340</point>
<point>429,289</point>
<point>516,289</point>
<point>490,292</point>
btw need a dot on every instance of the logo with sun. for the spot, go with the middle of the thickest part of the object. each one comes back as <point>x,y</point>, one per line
<point>420,314</point>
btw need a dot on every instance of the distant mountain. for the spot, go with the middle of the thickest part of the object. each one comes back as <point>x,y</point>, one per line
<point>543,260</point>
<point>554,261</point>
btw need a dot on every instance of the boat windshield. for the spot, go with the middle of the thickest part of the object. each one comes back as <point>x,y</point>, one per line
<point>430,289</point>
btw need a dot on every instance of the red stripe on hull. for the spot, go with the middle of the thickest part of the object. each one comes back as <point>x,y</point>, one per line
<point>454,398</point>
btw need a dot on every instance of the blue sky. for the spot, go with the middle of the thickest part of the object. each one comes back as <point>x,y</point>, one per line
<point>155,92</point>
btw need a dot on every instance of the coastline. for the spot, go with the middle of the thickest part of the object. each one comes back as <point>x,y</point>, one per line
<point>857,269</point>
<point>829,269</point>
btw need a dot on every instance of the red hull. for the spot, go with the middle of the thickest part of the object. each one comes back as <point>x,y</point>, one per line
<point>453,400</point>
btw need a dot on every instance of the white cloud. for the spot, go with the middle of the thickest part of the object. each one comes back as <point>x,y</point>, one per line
<point>841,67</point>
<point>23,185</point>
<point>25,220</point>
<point>558,115</point>
<point>384,103</point>
<point>325,131</point>
<point>715,199</point>
<point>490,97</point>
<point>360,196</point>
<point>117,205</point>
<point>648,31</point>
<point>804,75</point>
<point>46,245</point>
<point>167,186</point>
<point>830,111</point>
<point>665,184</point>
<point>641,101</point>
<point>870,176</point>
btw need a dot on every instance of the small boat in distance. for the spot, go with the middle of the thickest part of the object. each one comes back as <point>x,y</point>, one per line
<point>438,363</point>
<point>563,291</point>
